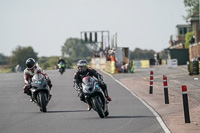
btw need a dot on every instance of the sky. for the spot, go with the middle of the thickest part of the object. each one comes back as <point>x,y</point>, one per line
<point>45,25</point>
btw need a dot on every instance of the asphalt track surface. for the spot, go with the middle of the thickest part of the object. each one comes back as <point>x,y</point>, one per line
<point>66,113</point>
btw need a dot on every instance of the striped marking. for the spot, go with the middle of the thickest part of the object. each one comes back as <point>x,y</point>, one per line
<point>185,92</point>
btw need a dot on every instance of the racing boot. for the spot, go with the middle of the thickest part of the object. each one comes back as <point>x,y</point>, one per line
<point>108,98</point>
<point>31,99</point>
<point>50,96</point>
<point>89,107</point>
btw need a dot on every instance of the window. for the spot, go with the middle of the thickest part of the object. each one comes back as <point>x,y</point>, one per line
<point>185,30</point>
<point>180,31</point>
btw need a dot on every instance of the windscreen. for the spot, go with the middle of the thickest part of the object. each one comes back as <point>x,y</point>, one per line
<point>38,77</point>
<point>88,81</point>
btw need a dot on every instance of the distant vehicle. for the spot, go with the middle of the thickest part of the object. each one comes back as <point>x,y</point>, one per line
<point>61,67</point>
<point>18,68</point>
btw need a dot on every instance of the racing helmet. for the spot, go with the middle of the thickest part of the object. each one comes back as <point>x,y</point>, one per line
<point>82,65</point>
<point>30,63</point>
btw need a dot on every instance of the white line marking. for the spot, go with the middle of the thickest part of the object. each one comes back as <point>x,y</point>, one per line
<point>144,102</point>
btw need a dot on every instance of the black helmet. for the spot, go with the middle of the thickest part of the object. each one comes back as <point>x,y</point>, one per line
<point>82,65</point>
<point>30,63</point>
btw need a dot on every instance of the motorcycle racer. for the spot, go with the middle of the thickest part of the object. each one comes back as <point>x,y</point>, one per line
<point>61,65</point>
<point>29,72</point>
<point>61,60</point>
<point>84,71</point>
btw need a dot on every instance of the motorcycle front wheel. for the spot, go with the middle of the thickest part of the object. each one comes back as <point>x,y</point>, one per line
<point>98,107</point>
<point>42,102</point>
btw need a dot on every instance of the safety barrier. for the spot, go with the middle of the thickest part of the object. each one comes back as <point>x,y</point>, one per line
<point>110,67</point>
<point>98,63</point>
<point>193,67</point>
<point>151,83</point>
<point>185,104</point>
<point>141,63</point>
<point>164,62</point>
<point>165,89</point>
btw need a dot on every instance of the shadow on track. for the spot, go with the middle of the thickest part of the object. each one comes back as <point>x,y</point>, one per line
<point>65,111</point>
<point>117,117</point>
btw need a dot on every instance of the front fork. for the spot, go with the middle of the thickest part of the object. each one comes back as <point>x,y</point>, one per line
<point>89,101</point>
<point>35,97</point>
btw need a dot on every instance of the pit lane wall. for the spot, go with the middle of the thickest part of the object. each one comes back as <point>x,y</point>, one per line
<point>141,63</point>
<point>101,63</point>
<point>112,67</point>
<point>98,63</point>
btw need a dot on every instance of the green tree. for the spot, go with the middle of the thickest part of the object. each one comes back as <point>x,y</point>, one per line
<point>193,6</point>
<point>20,55</point>
<point>188,38</point>
<point>164,54</point>
<point>139,54</point>
<point>74,48</point>
<point>42,59</point>
<point>3,59</point>
<point>50,62</point>
<point>68,62</point>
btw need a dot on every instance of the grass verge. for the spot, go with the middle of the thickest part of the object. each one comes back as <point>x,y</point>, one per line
<point>5,70</point>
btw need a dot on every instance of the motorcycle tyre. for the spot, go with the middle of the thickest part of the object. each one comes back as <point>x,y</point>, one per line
<point>42,101</point>
<point>98,107</point>
<point>61,71</point>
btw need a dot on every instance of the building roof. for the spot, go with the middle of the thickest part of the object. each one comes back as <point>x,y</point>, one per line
<point>194,17</point>
<point>182,25</point>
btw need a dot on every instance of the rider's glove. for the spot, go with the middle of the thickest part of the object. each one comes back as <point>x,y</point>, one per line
<point>100,78</point>
<point>79,90</point>
<point>29,85</point>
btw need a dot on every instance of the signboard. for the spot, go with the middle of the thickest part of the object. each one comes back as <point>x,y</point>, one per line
<point>172,63</point>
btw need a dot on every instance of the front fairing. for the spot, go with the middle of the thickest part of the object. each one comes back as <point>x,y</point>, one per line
<point>39,83</point>
<point>90,86</point>
<point>61,64</point>
<point>92,89</point>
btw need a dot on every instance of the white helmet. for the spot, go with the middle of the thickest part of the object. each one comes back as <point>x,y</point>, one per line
<point>82,65</point>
